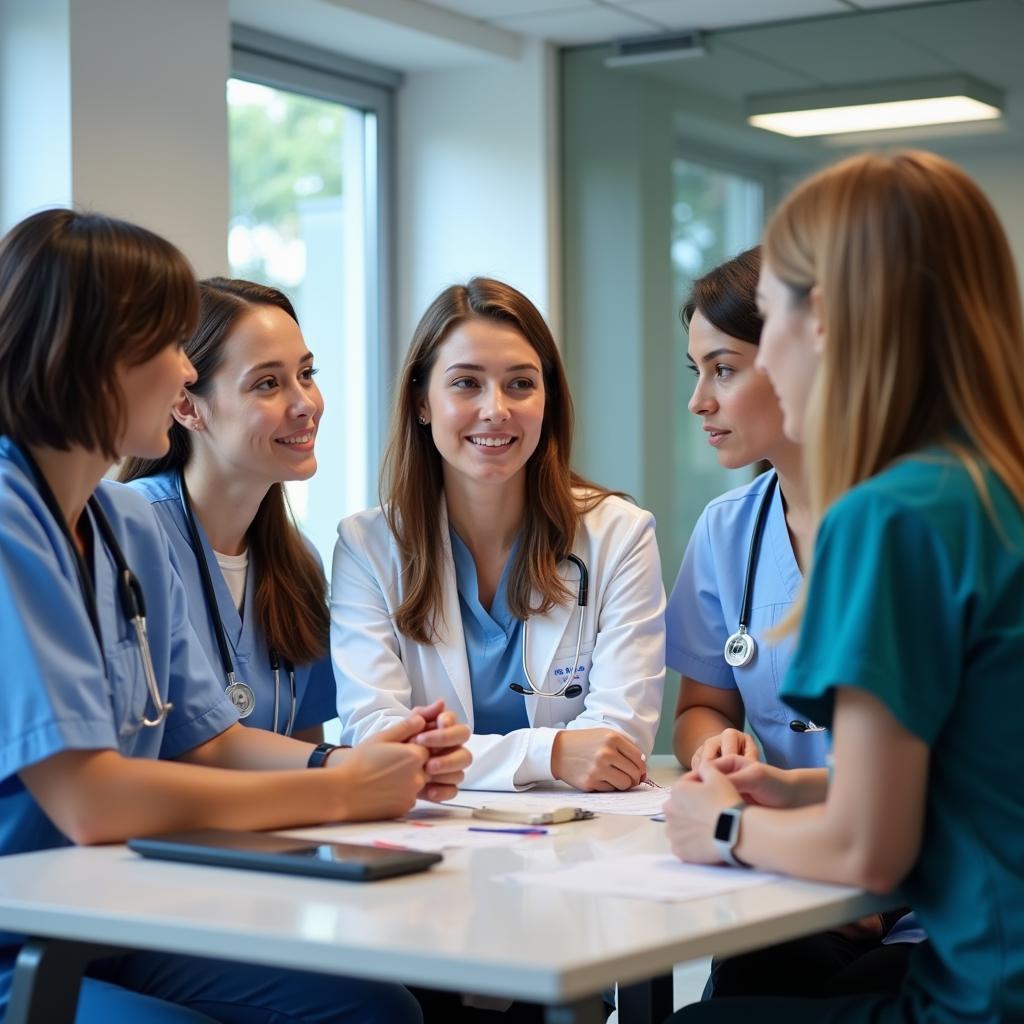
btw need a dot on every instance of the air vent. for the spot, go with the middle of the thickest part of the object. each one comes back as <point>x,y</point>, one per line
<point>651,49</point>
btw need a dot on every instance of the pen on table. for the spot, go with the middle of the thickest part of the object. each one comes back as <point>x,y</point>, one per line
<point>511,831</point>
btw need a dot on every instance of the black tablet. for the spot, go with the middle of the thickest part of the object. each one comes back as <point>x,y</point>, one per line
<point>263,851</point>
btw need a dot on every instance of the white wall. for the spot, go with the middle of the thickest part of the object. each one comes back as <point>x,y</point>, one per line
<point>1000,176</point>
<point>118,106</point>
<point>477,182</point>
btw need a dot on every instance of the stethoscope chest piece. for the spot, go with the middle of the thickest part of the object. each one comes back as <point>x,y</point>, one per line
<point>240,694</point>
<point>740,648</point>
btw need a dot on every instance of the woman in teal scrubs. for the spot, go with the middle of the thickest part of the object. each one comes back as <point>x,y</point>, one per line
<point>93,747</point>
<point>893,338</point>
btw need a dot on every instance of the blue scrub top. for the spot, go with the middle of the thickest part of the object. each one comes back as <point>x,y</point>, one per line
<point>314,683</point>
<point>60,692</point>
<point>704,609</point>
<point>917,597</point>
<point>493,646</point>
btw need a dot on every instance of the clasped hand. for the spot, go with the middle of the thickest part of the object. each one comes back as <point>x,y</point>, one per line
<point>697,799</point>
<point>444,739</point>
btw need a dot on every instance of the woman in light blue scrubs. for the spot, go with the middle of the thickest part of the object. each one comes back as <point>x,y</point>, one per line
<point>247,424</point>
<point>893,337</point>
<point>93,748</point>
<point>743,421</point>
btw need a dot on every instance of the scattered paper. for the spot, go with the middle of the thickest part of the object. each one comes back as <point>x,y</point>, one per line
<point>646,799</point>
<point>434,840</point>
<point>659,877</point>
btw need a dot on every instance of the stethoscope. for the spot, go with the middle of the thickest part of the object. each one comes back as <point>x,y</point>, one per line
<point>570,688</point>
<point>129,590</point>
<point>239,693</point>
<point>740,646</point>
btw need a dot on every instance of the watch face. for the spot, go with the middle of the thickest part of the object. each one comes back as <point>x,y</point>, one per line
<point>724,826</point>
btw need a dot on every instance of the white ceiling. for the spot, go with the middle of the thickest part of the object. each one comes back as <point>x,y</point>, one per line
<point>414,35</point>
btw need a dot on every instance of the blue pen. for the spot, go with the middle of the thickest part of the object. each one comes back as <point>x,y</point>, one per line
<point>511,831</point>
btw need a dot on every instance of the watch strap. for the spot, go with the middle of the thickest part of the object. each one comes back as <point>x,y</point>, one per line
<point>727,834</point>
<point>320,754</point>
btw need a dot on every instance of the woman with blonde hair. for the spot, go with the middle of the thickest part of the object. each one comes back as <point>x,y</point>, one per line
<point>493,577</point>
<point>894,341</point>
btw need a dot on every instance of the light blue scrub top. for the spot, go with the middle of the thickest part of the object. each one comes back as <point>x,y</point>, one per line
<point>59,693</point>
<point>493,646</point>
<point>917,597</point>
<point>315,689</point>
<point>704,609</point>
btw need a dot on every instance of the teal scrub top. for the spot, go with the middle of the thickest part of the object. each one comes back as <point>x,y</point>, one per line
<point>917,596</point>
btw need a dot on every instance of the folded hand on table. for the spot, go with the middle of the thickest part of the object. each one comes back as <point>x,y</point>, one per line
<point>692,810</point>
<point>600,760</point>
<point>728,741</point>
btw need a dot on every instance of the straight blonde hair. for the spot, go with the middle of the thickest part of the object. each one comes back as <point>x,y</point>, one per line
<point>924,342</point>
<point>411,482</point>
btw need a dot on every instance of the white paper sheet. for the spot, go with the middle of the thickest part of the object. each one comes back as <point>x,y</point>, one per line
<point>438,839</point>
<point>659,877</point>
<point>645,799</point>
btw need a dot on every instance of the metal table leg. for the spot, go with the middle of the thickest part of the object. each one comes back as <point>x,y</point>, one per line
<point>47,978</point>
<point>647,1002</point>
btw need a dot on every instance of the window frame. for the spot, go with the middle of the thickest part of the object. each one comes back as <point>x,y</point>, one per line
<point>280,63</point>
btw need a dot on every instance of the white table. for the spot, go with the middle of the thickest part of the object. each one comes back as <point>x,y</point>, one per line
<point>457,927</point>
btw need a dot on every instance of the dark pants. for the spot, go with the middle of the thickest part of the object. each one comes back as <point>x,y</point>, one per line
<point>823,965</point>
<point>845,1010</point>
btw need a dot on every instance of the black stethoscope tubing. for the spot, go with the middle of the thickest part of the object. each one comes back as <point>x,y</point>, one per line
<point>570,689</point>
<point>241,693</point>
<point>129,590</point>
<point>740,646</point>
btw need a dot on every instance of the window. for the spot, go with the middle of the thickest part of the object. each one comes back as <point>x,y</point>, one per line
<point>308,216</point>
<point>716,213</point>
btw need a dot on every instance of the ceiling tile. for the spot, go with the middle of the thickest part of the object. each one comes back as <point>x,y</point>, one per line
<point>581,25</point>
<point>875,4</point>
<point>712,14</point>
<point>488,10</point>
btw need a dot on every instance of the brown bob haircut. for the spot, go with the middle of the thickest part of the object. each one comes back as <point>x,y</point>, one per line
<point>412,480</point>
<point>290,601</point>
<point>80,295</point>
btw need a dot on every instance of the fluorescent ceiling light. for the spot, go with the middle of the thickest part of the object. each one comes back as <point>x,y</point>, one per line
<point>879,107</point>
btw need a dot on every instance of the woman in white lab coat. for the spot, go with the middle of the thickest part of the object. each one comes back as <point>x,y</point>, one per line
<point>494,577</point>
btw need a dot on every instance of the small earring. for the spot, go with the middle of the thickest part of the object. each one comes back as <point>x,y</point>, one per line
<point>423,421</point>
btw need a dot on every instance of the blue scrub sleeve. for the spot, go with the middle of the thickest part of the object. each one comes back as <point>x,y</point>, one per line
<point>696,630</point>
<point>319,703</point>
<point>55,694</point>
<point>881,615</point>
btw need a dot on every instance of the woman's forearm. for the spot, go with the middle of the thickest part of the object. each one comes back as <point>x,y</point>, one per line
<point>692,727</point>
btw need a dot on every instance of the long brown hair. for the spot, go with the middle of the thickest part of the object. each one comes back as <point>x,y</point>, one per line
<point>411,474</point>
<point>291,592</point>
<point>923,330</point>
<point>80,294</point>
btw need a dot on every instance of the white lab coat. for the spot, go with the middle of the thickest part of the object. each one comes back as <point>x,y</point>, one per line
<point>381,673</point>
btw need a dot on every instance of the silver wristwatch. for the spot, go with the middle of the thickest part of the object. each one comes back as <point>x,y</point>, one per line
<point>727,834</point>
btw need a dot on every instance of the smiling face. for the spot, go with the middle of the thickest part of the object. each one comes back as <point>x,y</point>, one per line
<point>739,410</point>
<point>484,403</point>
<point>790,350</point>
<point>260,417</point>
<point>150,390</point>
